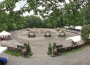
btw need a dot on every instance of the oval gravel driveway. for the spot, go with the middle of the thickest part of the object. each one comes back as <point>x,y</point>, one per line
<point>40,57</point>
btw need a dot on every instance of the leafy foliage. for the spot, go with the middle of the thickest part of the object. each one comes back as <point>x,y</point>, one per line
<point>85,32</point>
<point>49,49</point>
<point>87,13</point>
<point>33,21</point>
<point>28,51</point>
<point>74,13</point>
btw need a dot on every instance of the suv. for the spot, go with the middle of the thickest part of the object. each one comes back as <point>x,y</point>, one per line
<point>3,61</point>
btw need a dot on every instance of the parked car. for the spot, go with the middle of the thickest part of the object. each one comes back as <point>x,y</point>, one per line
<point>3,61</point>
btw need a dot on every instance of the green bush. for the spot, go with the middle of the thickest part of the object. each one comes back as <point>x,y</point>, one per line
<point>85,32</point>
<point>28,51</point>
<point>25,44</point>
<point>49,49</point>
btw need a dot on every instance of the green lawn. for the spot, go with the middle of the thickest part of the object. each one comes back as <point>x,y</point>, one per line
<point>12,53</point>
<point>75,50</point>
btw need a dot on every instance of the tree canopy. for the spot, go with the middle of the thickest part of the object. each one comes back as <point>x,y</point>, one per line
<point>85,32</point>
<point>76,12</point>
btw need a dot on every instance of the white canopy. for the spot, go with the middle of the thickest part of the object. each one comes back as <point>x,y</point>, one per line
<point>66,27</point>
<point>71,26</point>
<point>75,38</point>
<point>2,49</point>
<point>4,33</point>
<point>78,27</point>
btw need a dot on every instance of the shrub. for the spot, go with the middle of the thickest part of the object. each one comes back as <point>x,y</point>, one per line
<point>85,32</point>
<point>49,49</point>
<point>27,50</point>
<point>25,44</point>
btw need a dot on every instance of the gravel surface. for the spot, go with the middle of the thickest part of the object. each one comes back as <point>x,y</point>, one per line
<point>39,47</point>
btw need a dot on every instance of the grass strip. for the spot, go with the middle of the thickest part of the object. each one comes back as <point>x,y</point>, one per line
<point>12,53</point>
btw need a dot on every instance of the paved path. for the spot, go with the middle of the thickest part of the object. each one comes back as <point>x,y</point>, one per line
<point>79,58</point>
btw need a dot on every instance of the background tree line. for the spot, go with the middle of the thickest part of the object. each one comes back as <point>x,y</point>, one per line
<point>76,12</point>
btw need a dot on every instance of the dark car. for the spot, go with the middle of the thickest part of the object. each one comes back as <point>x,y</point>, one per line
<point>3,61</point>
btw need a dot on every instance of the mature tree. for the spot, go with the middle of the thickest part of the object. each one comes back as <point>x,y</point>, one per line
<point>73,15</point>
<point>48,4</point>
<point>9,5</point>
<point>87,13</point>
<point>3,20</point>
<point>33,21</point>
<point>8,17</point>
<point>55,19</point>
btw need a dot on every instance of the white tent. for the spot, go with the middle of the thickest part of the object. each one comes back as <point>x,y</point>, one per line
<point>78,27</point>
<point>75,38</point>
<point>4,33</point>
<point>2,49</point>
<point>66,27</point>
